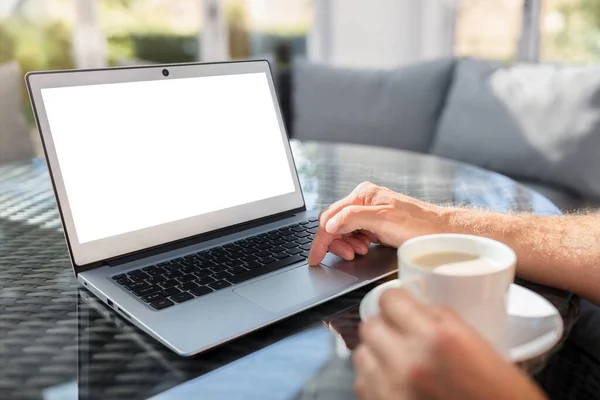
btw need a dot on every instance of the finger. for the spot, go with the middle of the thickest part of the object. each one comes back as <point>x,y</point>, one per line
<point>368,373</point>
<point>358,246</point>
<point>384,341</point>
<point>401,310</point>
<point>320,246</point>
<point>342,249</point>
<point>352,218</point>
<point>356,197</point>
<point>372,237</point>
<point>360,236</point>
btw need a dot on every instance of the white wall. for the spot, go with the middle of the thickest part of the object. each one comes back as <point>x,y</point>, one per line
<point>381,33</point>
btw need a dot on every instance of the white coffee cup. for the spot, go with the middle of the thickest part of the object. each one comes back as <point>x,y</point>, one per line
<point>478,297</point>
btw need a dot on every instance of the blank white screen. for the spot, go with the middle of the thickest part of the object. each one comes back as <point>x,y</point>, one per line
<point>141,154</point>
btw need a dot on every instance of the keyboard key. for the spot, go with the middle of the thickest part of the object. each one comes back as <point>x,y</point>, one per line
<point>120,276</point>
<point>265,269</point>
<point>156,271</point>
<point>188,286</point>
<point>136,278</point>
<point>304,253</point>
<point>313,219</point>
<point>249,258</point>
<point>220,285</point>
<point>298,229</point>
<point>294,251</point>
<point>181,297</point>
<point>186,278</point>
<point>220,254</point>
<point>277,242</point>
<point>171,267</point>
<point>236,254</point>
<point>264,246</point>
<point>221,275</point>
<point>251,250</point>
<point>201,291</point>
<point>155,280</point>
<point>281,255</point>
<point>203,256</point>
<point>253,264</point>
<point>262,254</point>
<point>171,291</point>
<point>137,272</point>
<point>202,273</point>
<point>266,260</point>
<point>162,264</point>
<point>169,283</point>
<point>304,222</point>
<point>172,275</point>
<point>302,234</point>
<point>278,249</point>
<point>290,245</point>
<point>294,226</point>
<point>237,270</point>
<point>233,263</point>
<point>305,246</point>
<point>150,268</point>
<point>146,290</point>
<point>162,303</point>
<point>205,281</point>
<point>221,260</point>
<point>153,297</point>
<point>312,230</point>
<point>302,241</point>
<point>186,263</point>
<point>124,282</point>
<point>219,268</point>
<point>189,257</point>
<point>137,285</point>
<point>206,264</point>
<point>313,224</point>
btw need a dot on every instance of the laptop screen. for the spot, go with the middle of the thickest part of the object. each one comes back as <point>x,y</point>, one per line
<point>137,155</point>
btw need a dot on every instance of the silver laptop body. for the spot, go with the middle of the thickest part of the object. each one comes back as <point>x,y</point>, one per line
<point>180,200</point>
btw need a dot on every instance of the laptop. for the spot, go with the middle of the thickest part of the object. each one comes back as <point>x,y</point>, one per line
<point>180,201</point>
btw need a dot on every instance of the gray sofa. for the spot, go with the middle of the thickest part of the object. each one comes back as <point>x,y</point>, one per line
<point>537,123</point>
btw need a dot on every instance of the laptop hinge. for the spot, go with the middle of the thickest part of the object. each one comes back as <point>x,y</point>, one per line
<point>117,261</point>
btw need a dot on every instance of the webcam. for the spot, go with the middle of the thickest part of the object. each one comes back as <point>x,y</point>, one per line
<point>165,72</point>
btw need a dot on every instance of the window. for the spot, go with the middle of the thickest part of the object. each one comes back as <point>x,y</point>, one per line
<point>488,29</point>
<point>570,31</point>
<point>268,28</point>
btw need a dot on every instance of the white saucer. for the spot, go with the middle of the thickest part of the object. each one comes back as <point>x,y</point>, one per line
<point>534,324</point>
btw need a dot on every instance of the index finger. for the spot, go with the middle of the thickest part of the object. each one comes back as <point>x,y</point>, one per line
<point>320,245</point>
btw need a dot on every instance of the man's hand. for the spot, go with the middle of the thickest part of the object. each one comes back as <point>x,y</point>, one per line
<point>415,351</point>
<point>373,214</point>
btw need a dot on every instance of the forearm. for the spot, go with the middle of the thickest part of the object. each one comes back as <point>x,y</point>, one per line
<point>558,251</point>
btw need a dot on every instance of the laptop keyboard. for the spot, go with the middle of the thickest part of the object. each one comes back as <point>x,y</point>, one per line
<point>185,278</point>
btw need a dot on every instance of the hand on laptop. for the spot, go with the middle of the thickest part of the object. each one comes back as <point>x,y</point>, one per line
<point>373,214</point>
<point>417,351</point>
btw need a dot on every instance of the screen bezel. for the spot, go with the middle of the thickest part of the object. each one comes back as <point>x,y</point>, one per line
<point>85,254</point>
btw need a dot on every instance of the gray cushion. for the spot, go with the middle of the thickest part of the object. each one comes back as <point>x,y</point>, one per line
<point>397,107</point>
<point>540,122</point>
<point>15,139</point>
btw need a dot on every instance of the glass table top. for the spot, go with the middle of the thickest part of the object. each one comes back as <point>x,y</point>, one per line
<point>58,342</point>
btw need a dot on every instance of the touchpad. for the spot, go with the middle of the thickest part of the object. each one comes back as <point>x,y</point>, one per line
<point>295,287</point>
